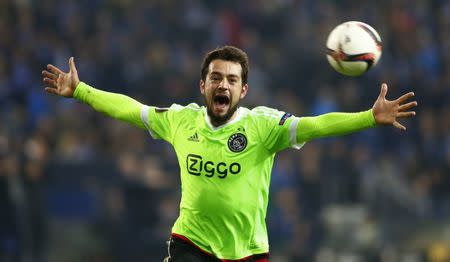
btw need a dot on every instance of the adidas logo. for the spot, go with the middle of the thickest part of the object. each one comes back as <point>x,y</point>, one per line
<point>194,138</point>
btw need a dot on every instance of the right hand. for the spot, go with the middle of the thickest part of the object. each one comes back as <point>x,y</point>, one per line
<point>60,83</point>
<point>386,112</point>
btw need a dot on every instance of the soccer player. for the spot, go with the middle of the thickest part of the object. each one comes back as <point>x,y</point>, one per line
<point>225,152</point>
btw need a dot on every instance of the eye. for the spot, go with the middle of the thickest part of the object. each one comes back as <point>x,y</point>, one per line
<point>233,80</point>
<point>215,78</point>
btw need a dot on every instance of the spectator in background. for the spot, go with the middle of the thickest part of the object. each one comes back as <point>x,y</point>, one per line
<point>117,33</point>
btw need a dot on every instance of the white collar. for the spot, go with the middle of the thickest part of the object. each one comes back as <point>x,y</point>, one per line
<point>237,118</point>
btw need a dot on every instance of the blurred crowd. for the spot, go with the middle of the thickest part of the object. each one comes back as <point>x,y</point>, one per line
<point>78,186</point>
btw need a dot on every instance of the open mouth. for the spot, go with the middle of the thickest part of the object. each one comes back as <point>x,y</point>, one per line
<point>221,100</point>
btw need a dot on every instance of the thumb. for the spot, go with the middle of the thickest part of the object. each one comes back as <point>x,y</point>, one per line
<point>384,89</point>
<point>72,67</point>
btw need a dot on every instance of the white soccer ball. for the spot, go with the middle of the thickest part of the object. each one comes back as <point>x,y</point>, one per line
<point>353,48</point>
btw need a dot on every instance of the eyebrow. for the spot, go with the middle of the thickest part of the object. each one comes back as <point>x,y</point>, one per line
<point>229,75</point>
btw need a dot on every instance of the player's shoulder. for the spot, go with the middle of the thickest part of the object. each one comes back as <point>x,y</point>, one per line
<point>190,111</point>
<point>266,112</point>
<point>270,116</point>
<point>190,108</point>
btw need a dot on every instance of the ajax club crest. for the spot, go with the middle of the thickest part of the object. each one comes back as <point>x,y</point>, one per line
<point>237,142</point>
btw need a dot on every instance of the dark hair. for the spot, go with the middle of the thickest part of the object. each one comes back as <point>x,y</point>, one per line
<point>227,53</point>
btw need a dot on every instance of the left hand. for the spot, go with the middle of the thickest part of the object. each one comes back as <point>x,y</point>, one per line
<point>386,111</point>
<point>61,83</point>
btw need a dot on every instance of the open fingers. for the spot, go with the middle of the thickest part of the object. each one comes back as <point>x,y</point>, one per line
<point>54,69</point>
<point>406,114</point>
<point>48,74</point>
<point>407,106</point>
<point>51,90</point>
<point>404,97</point>
<point>383,91</point>
<point>72,65</point>
<point>399,126</point>
<point>49,82</point>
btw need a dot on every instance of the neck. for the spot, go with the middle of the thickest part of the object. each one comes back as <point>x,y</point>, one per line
<point>220,121</point>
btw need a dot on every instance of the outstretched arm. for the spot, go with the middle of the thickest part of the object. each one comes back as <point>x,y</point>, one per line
<point>383,112</point>
<point>118,106</point>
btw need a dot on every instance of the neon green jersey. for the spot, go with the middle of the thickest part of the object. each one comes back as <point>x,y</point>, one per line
<point>225,173</point>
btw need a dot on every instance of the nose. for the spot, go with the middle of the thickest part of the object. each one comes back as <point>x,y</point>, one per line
<point>223,84</point>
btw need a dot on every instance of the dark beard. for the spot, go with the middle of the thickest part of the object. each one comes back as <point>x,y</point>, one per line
<point>220,120</point>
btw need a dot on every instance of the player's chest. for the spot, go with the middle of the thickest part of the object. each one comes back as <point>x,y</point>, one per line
<point>228,153</point>
<point>227,143</point>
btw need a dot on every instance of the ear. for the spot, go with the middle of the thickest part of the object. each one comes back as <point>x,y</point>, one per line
<point>202,87</point>
<point>244,90</point>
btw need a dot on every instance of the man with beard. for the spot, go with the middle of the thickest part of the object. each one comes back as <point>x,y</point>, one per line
<point>225,152</point>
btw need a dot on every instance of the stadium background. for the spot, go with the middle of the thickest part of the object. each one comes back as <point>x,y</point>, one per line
<point>78,186</point>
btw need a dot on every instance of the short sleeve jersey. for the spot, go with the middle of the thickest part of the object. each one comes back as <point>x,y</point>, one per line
<point>225,173</point>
